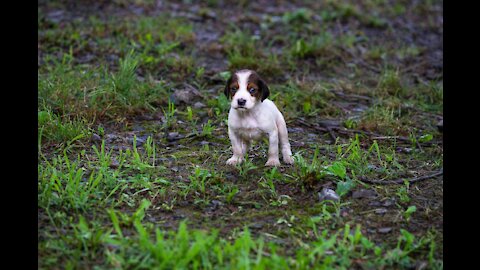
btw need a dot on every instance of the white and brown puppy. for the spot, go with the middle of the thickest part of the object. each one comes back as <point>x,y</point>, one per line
<point>253,116</point>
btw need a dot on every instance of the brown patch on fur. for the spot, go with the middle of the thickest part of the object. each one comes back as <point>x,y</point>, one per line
<point>261,88</point>
<point>257,93</point>
<point>231,83</point>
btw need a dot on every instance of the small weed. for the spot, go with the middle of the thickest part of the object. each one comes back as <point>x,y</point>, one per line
<point>169,114</point>
<point>350,123</point>
<point>408,213</point>
<point>207,129</point>
<point>245,167</point>
<point>125,79</point>
<point>54,128</point>
<point>300,16</point>
<point>140,162</point>
<point>65,183</point>
<point>390,83</point>
<point>199,180</point>
<point>402,192</point>
<point>231,194</point>
<point>267,181</point>
<point>313,47</point>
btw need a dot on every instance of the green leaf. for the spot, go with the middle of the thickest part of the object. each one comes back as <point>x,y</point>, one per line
<point>343,187</point>
<point>337,169</point>
<point>225,75</point>
<point>425,138</point>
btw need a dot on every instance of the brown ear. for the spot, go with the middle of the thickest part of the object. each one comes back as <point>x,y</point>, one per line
<point>226,91</point>
<point>264,89</point>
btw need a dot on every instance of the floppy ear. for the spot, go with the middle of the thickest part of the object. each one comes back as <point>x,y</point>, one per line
<point>226,91</point>
<point>264,89</point>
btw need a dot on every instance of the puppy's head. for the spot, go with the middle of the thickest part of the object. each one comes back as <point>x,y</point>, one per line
<point>245,89</point>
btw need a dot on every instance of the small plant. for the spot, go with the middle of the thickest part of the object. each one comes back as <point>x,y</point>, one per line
<point>329,214</point>
<point>231,194</point>
<point>267,181</point>
<point>308,172</point>
<point>169,114</point>
<point>425,138</point>
<point>139,162</point>
<point>338,169</point>
<point>199,179</point>
<point>350,123</point>
<point>190,117</point>
<point>199,73</point>
<point>390,83</point>
<point>124,80</point>
<point>89,236</point>
<point>245,167</point>
<point>168,206</point>
<point>408,213</point>
<point>207,129</point>
<point>104,158</point>
<point>312,47</point>
<point>299,16</point>
<point>64,183</point>
<point>150,150</point>
<point>402,192</point>
<point>54,128</point>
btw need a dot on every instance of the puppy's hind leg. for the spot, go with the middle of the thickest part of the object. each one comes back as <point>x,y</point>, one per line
<point>283,138</point>
<point>273,149</point>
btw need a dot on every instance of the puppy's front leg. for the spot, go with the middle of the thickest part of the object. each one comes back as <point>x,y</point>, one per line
<point>273,149</point>
<point>237,148</point>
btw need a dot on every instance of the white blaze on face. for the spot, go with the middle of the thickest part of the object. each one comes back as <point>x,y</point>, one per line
<point>242,92</point>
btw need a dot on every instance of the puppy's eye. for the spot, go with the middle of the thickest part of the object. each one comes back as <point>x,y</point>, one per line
<point>251,90</point>
<point>233,89</point>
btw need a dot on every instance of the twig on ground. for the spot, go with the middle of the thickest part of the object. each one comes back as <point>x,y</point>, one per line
<point>342,94</point>
<point>332,135</point>
<point>401,180</point>
<point>377,136</point>
<point>372,135</point>
<point>302,122</point>
<point>326,128</point>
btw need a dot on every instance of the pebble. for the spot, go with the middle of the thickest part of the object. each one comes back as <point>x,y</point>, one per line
<point>186,95</point>
<point>440,126</point>
<point>256,226</point>
<point>364,193</point>
<point>380,211</point>
<point>385,230</point>
<point>173,136</point>
<point>96,138</point>
<point>198,105</point>
<point>328,194</point>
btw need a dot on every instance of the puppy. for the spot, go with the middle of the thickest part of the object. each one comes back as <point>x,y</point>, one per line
<point>253,116</point>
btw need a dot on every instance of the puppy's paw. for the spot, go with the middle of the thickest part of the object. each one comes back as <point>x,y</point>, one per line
<point>288,159</point>
<point>273,162</point>
<point>234,161</point>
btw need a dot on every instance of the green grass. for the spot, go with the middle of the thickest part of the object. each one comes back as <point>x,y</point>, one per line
<point>96,93</point>
<point>54,128</point>
<point>148,247</point>
<point>242,49</point>
<point>130,241</point>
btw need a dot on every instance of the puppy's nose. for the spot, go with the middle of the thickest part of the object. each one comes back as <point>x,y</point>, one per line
<point>241,102</point>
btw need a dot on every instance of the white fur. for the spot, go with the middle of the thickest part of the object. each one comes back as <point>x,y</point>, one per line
<point>258,119</point>
<point>242,91</point>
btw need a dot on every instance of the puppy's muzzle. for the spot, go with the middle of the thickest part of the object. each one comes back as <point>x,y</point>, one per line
<point>241,102</point>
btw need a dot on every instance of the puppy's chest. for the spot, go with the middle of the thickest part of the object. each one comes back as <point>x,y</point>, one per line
<point>249,129</point>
